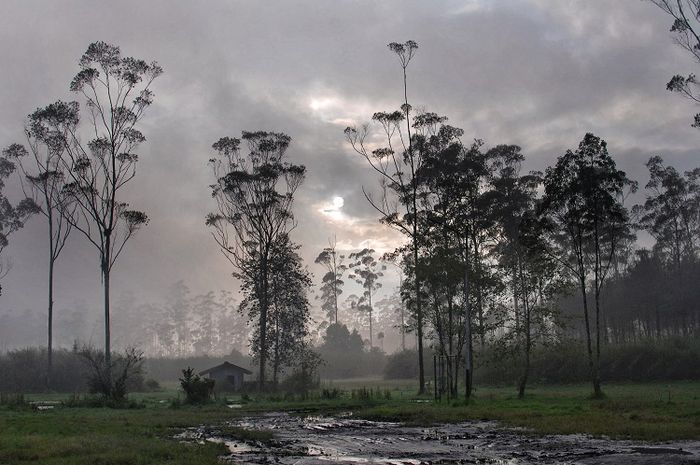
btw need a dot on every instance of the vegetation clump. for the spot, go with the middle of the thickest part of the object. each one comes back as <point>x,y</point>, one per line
<point>198,390</point>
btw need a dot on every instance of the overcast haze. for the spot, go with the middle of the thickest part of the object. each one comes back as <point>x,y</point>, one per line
<point>535,73</point>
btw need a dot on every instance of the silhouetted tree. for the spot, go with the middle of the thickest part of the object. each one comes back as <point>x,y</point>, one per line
<point>366,272</point>
<point>332,281</point>
<point>117,92</point>
<point>584,221</point>
<point>394,258</point>
<point>341,350</point>
<point>456,220</point>
<point>686,32</point>
<point>288,314</point>
<point>43,179</point>
<point>290,309</point>
<point>12,217</point>
<point>254,194</point>
<point>671,212</point>
<point>398,179</point>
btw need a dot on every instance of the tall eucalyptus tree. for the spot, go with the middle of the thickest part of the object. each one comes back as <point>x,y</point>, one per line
<point>43,178</point>
<point>117,92</point>
<point>254,192</point>
<point>332,281</point>
<point>584,221</point>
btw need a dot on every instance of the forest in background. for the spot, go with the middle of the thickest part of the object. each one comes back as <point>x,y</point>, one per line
<point>499,263</point>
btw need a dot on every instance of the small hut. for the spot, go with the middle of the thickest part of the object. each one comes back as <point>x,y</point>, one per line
<point>228,377</point>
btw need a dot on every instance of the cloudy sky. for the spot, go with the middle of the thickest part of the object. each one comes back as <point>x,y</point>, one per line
<point>537,73</point>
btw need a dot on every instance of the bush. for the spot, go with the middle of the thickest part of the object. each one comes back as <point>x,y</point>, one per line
<point>152,385</point>
<point>305,377</point>
<point>661,360</point>
<point>124,373</point>
<point>404,365</point>
<point>24,370</point>
<point>198,390</point>
<point>300,383</point>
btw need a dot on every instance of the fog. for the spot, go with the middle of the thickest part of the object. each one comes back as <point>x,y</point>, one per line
<point>534,73</point>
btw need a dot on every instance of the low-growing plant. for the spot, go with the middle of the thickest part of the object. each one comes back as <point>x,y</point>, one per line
<point>152,385</point>
<point>198,390</point>
<point>112,382</point>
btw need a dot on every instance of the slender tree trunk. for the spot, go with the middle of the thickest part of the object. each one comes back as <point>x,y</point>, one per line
<point>596,367</point>
<point>419,319</point>
<point>335,298</point>
<point>403,320</point>
<point>479,296</point>
<point>589,346</point>
<point>277,351</point>
<point>108,344</point>
<point>49,342</point>
<point>371,340</point>
<point>467,327</point>
<point>528,338</point>
<point>597,390</point>
<point>419,307</point>
<point>264,302</point>
<point>450,342</point>
<point>49,353</point>
<point>526,367</point>
<point>335,286</point>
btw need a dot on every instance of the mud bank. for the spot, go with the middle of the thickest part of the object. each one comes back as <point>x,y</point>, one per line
<point>345,440</point>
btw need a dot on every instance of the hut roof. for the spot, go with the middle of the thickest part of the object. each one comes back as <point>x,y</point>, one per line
<point>225,366</point>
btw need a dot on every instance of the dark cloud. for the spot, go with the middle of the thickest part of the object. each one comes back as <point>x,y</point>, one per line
<point>532,72</point>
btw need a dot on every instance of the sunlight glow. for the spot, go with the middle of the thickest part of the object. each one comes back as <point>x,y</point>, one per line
<point>333,209</point>
<point>322,103</point>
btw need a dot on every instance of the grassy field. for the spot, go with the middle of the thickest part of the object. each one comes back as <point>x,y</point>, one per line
<point>655,412</point>
<point>145,435</point>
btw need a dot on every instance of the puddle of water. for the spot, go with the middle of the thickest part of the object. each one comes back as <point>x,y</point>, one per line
<point>235,447</point>
<point>317,440</point>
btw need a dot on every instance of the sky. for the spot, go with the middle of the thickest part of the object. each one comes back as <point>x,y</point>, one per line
<point>536,73</point>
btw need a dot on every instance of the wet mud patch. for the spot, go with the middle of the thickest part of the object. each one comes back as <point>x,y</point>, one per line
<point>347,440</point>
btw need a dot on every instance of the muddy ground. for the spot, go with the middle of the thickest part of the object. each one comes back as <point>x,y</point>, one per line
<point>346,440</point>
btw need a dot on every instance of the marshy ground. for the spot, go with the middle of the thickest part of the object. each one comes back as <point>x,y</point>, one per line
<point>636,423</point>
<point>316,440</point>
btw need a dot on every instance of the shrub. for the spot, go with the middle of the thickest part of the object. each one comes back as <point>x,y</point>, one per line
<point>402,365</point>
<point>124,373</point>
<point>152,385</point>
<point>24,370</point>
<point>198,390</point>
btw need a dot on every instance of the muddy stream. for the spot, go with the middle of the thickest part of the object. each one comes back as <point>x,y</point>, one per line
<point>346,440</point>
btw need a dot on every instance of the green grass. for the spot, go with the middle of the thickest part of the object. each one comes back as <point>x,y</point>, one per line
<point>638,411</point>
<point>144,436</point>
<point>105,436</point>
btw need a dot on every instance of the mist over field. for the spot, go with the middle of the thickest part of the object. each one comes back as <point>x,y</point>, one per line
<point>478,216</point>
<point>530,73</point>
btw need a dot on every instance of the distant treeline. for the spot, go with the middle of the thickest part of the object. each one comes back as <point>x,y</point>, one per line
<point>673,359</point>
<point>181,325</point>
<point>24,370</point>
<point>663,360</point>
